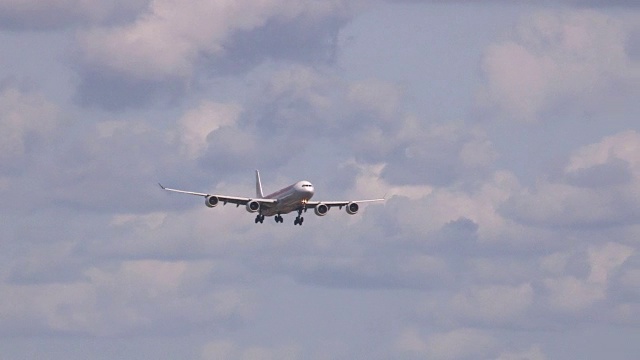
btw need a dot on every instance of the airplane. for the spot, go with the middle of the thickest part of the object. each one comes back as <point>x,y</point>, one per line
<point>294,197</point>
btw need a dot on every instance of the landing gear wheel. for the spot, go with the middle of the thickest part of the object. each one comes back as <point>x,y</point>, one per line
<point>279,219</point>
<point>259,219</point>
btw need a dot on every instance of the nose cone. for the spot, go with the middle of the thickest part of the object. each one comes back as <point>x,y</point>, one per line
<point>306,188</point>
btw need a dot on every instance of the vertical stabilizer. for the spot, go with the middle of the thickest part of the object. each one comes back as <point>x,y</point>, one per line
<point>259,193</point>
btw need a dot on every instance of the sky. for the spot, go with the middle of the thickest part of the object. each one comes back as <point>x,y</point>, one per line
<point>504,134</point>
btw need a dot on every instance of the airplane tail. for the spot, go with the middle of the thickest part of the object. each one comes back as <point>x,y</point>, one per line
<point>259,193</point>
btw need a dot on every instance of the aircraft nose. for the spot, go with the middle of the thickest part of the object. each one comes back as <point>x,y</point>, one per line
<point>308,190</point>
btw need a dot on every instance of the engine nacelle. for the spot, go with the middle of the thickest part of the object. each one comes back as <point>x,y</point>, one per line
<point>321,209</point>
<point>211,201</point>
<point>352,208</point>
<point>253,206</point>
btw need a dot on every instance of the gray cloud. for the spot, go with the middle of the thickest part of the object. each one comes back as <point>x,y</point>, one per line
<point>600,189</point>
<point>113,91</point>
<point>554,62</point>
<point>594,3</point>
<point>612,173</point>
<point>211,39</point>
<point>464,251</point>
<point>28,15</point>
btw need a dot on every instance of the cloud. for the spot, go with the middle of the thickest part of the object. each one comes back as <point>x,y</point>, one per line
<point>464,259</point>
<point>494,303</point>
<point>376,96</point>
<point>95,167</point>
<point>167,50</point>
<point>368,271</point>
<point>196,125</point>
<point>59,14</point>
<point>170,38</point>
<point>572,294</point>
<point>595,3</point>
<point>226,349</point>
<point>606,259</point>
<point>130,297</point>
<point>436,154</point>
<point>600,187</point>
<point>361,122</point>
<point>460,343</point>
<point>25,119</point>
<point>555,62</point>
<point>534,353</point>
<point>441,208</point>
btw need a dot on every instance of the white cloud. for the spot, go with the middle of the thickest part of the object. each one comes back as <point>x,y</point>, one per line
<point>444,205</point>
<point>572,294</point>
<point>169,39</point>
<point>221,349</point>
<point>576,59</point>
<point>600,186</point>
<point>227,349</point>
<point>624,146</point>
<point>136,295</point>
<point>420,152</point>
<point>631,280</point>
<point>411,341</point>
<point>534,353</point>
<point>377,96</point>
<point>145,221</point>
<point>24,115</point>
<point>303,98</point>
<point>94,249</point>
<point>369,183</point>
<point>197,124</point>
<point>459,343</point>
<point>554,263</point>
<point>494,303</point>
<point>605,259</point>
<point>477,153</point>
<point>45,14</point>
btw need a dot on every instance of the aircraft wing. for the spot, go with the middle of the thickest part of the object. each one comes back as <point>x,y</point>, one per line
<point>223,198</point>
<point>340,204</point>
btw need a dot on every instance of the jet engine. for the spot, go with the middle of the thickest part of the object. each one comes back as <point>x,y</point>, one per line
<point>253,206</point>
<point>211,201</point>
<point>352,208</point>
<point>321,209</point>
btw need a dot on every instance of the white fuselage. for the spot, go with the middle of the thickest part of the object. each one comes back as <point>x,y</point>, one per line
<point>289,199</point>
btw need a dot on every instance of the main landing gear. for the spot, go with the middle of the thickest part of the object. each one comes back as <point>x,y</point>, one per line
<point>299,219</point>
<point>279,219</point>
